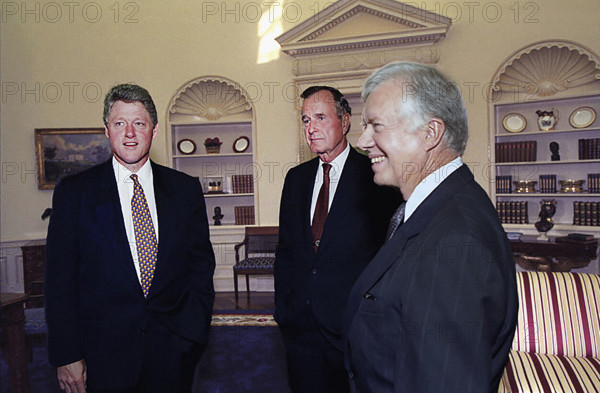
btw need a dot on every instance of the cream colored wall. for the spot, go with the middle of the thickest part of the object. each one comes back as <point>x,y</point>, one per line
<point>81,53</point>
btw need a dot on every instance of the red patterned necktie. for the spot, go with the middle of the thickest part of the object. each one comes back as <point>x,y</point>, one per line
<point>145,237</point>
<point>321,209</point>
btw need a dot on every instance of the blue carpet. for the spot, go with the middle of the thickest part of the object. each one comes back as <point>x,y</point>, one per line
<point>242,359</point>
<point>238,359</point>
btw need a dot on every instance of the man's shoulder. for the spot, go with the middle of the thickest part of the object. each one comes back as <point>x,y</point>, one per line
<point>87,177</point>
<point>304,168</point>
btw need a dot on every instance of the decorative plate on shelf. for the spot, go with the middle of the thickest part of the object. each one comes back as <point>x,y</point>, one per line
<point>186,146</point>
<point>514,122</point>
<point>241,144</point>
<point>582,117</point>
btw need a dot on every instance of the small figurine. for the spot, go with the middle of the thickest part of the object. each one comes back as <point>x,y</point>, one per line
<point>218,216</point>
<point>554,149</point>
<point>547,211</point>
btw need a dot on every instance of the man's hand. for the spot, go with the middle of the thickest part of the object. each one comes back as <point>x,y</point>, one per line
<point>72,377</point>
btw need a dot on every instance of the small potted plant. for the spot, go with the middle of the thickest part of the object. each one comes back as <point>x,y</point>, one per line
<point>213,145</point>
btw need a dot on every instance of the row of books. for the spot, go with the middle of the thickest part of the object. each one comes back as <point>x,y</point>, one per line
<point>589,149</point>
<point>586,213</point>
<point>513,212</point>
<point>516,151</point>
<point>242,184</point>
<point>547,184</point>
<point>244,215</point>
<point>504,184</point>
<point>594,183</point>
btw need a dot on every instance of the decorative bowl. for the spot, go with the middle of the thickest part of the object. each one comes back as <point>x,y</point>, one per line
<point>571,185</point>
<point>525,186</point>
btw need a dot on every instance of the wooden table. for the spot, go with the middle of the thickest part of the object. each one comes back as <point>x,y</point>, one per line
<point>553,255</point>
<point>13,340</point>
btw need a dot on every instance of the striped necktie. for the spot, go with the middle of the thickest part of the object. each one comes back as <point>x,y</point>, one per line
<point>145,237</point>
<point>395,221</point>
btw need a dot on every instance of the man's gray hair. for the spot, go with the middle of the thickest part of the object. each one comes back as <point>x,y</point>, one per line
<point>426,93</point>
<point>129,93</point>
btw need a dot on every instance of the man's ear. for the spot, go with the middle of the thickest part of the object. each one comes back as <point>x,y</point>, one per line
<point>434,133</point>
<point>346,123</point>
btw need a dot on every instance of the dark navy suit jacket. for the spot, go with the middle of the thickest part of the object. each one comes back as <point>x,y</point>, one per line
<point>435,311</point>
<point>95,307</point>
<point>313,289</point>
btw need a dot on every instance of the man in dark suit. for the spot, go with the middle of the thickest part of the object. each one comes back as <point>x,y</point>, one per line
<point>324,246</point>
<point>435,310</point>
<point>129,265</point>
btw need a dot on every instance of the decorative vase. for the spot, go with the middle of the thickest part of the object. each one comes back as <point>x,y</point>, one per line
<point>547,119</point>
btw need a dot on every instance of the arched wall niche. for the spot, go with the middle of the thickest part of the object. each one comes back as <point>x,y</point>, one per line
<point>209,98</point>
<point>543,103</point>
<point>544,70</point>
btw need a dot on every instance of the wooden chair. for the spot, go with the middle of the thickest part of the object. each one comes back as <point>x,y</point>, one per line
<point>259,245</point>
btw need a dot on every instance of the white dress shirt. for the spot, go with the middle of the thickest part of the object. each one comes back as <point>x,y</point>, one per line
<point>335,173</point>
<point>125,188</point>
<point>429,184</point>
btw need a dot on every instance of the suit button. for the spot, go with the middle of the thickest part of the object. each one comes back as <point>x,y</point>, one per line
<point>307,301</point>
<point>314,271</point>
<point>351,375</point>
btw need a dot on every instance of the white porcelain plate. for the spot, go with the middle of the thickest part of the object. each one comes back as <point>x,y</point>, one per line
<point>186,146</point>
<point>582,117</point>
<point>514,122</point>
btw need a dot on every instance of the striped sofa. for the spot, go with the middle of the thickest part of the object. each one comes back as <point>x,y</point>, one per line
<point>557,342</point>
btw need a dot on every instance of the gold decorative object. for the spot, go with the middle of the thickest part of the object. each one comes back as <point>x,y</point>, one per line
<point>525,186</point>
<point>571,185</point>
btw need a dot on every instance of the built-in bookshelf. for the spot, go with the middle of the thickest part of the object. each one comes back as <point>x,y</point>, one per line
<point>531,164</point>
<point>544,124</point>
<point>211,137</point>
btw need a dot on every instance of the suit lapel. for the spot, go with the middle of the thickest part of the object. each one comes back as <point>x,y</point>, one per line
<point>347,188</point>
<point>391,251</point>
<point>166,216</point>
<point>110,218</point>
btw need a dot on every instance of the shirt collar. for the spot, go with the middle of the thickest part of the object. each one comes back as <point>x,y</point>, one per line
<point>338,163</point>
<point>123,174</point>
<point>429,184</point>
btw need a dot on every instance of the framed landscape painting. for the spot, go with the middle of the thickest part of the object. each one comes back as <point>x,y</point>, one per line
<point>65,151</point>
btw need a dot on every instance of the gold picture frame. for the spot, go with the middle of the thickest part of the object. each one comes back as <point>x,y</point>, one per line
<point>65,151</point>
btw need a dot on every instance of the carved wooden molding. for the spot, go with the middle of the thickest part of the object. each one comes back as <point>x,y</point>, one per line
<point>546,68</point>
<point>415,27</point>
<point>209,98</point>
<point>362,9</point>
<point>357,61</point>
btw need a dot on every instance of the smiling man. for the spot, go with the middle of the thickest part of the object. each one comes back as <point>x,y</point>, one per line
<point>435,311</point>
<point>332,220</point>
<point>129,265</point>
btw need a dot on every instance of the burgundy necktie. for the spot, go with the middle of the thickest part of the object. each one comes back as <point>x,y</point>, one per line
<point>321,209</point>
